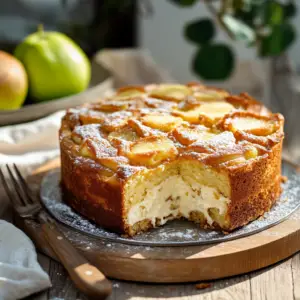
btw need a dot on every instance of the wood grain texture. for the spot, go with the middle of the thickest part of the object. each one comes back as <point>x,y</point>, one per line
<point>269,283</point>
<point>233,288</point>
<point>178,264</point>
<point>86,277</point>
<point>295,266</point>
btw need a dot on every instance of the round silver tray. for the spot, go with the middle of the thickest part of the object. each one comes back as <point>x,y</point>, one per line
<point>174,233</point>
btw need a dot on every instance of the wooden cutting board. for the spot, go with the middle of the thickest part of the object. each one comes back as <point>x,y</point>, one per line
<point>176,264</point>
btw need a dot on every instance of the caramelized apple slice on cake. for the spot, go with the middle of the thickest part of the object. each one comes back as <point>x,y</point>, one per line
<point>162,122</point>
<point>206,113</point>
<point>186,135</point>
<point>151,151</point>
<point>171,92</point>
<point>129,92</point>
<point>251,123</point>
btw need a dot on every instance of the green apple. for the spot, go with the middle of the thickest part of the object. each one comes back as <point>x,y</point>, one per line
<point>55,65</point>
<point>13,82</point>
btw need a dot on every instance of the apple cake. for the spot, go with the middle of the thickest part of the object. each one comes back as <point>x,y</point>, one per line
<point>154,153</point>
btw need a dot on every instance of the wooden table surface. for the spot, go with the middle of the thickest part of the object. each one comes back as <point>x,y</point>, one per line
<point>281,282</point>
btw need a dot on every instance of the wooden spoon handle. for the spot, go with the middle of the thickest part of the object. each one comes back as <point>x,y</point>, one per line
<point>87,278</point>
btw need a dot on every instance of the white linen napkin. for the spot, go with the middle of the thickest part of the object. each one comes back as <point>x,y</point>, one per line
<point>26,144</point>
<point>20,273</point>
<point>30,143</point>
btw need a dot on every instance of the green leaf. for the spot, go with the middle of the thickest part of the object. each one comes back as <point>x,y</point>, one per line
<point>238,29</point>
<point>273,12</point>
<point>200,32</point>
<point>281,37</point>
<point>184,2</point>
<point>290,10</point>
<point>214,62</point>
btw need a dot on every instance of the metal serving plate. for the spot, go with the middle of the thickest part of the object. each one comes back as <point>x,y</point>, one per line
<point>174,233</point>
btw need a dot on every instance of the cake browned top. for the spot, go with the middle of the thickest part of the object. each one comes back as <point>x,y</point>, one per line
<point>145,126</point>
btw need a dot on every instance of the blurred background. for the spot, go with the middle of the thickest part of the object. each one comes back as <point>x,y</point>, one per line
<point>156,25</point>
<point>91,23</point>
<point>163,35</point>
<point>242,45</point>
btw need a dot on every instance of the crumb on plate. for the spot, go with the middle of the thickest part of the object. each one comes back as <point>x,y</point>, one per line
<point>201,286</point>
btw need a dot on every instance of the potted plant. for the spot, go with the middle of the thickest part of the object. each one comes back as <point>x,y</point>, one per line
<point>262,24</point>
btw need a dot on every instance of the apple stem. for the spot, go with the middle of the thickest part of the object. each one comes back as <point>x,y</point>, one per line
<point>41,29</point>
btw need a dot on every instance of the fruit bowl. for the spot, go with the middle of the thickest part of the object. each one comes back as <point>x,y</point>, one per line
<point>100,84</point>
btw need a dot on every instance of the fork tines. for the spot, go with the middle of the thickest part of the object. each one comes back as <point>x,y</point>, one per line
<point>17,183</point>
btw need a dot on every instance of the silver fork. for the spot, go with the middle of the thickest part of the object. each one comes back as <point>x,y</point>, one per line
<point>86,277</point>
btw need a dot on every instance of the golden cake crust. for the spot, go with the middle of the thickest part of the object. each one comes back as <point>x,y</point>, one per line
<point>104,145</point>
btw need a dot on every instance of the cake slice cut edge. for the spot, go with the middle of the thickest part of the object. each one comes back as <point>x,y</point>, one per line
<point>181,189</point>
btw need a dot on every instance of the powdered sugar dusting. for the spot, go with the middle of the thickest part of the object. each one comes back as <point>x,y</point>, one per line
<point>174,233</point>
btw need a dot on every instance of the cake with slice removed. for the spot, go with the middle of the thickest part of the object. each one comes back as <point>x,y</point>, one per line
<point>151,154</point>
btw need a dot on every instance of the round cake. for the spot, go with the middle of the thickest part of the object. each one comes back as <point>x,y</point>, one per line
<point>154,153</point>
